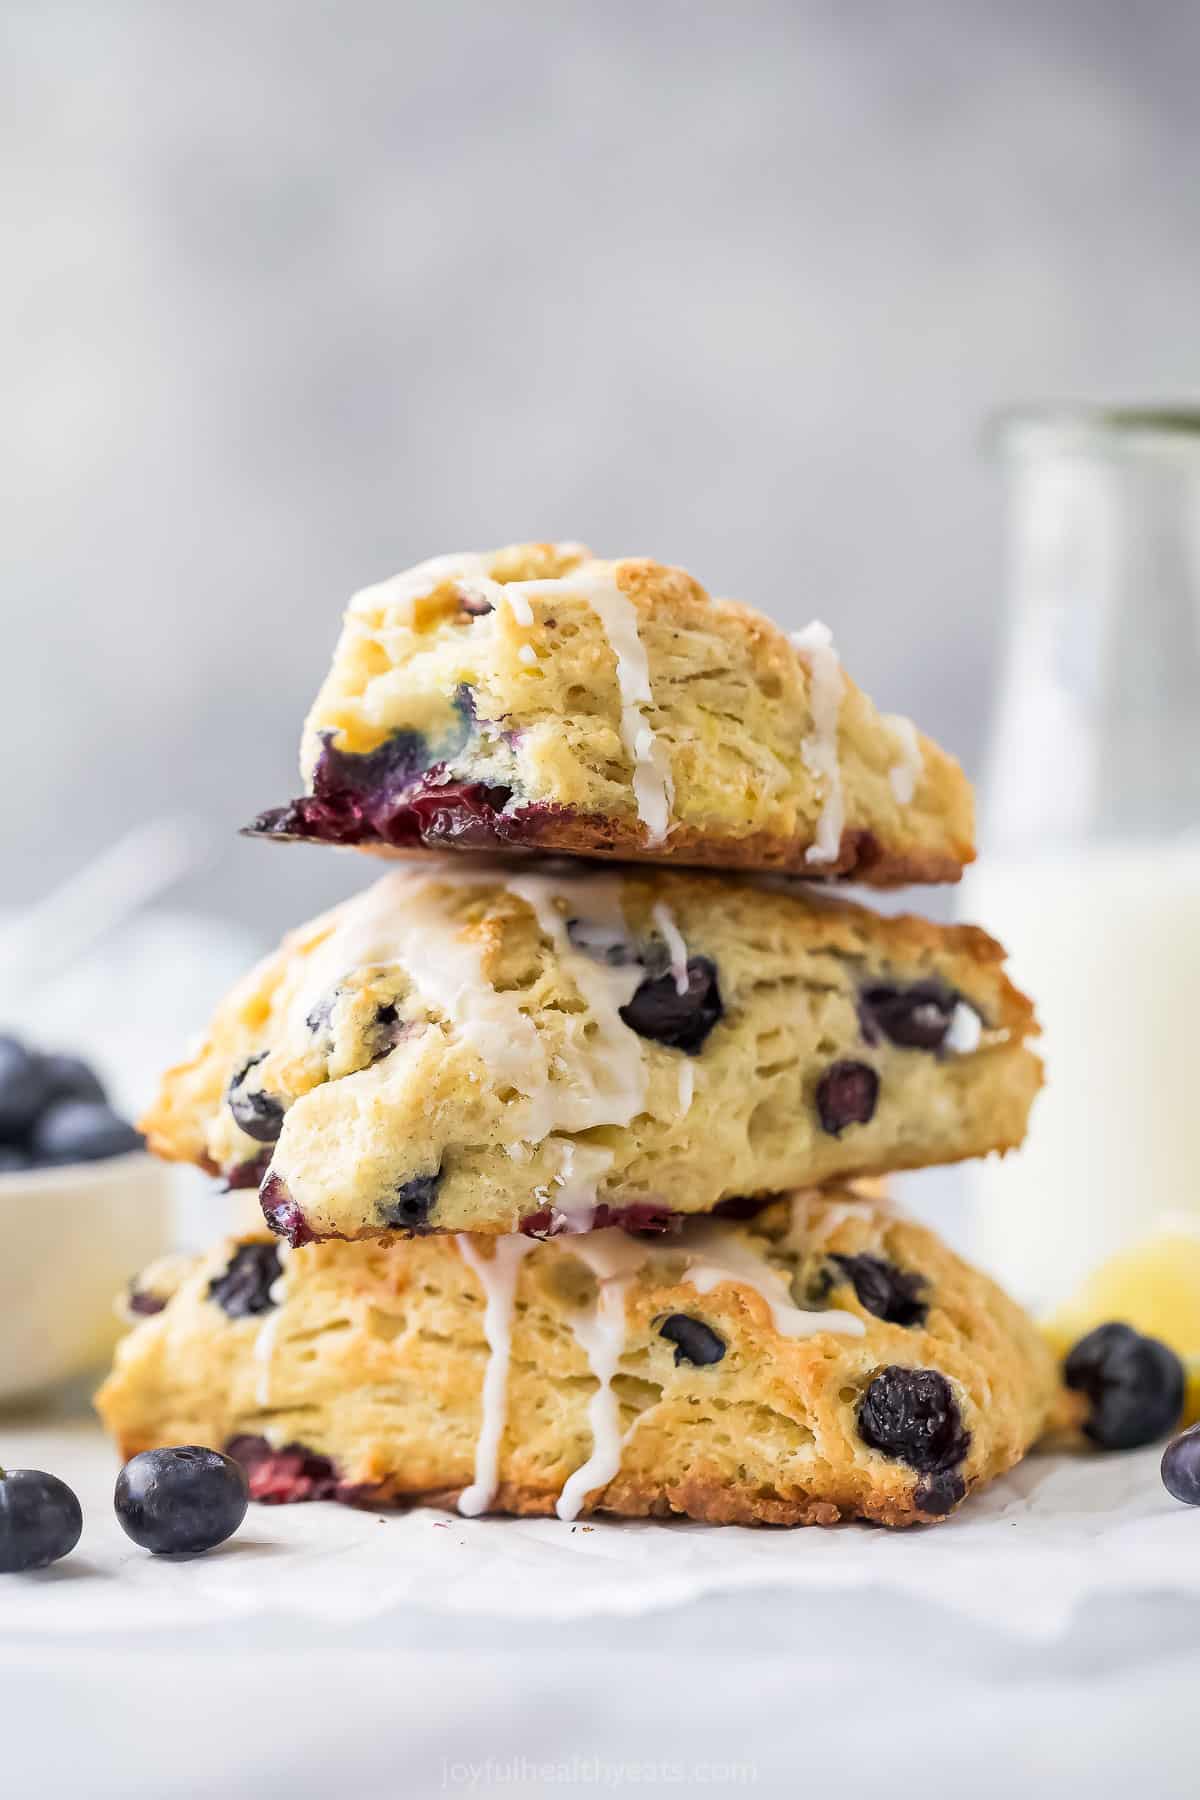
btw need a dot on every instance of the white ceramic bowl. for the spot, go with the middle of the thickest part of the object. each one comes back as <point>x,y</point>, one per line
<point>70,1239</point>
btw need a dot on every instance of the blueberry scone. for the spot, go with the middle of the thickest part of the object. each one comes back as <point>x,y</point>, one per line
<point>486,1048</point>
<point>536,698</point>
<point>826,1359</point>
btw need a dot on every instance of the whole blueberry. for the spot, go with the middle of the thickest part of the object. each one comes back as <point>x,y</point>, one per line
<point>23,1088</point>
<point>1181,1466</point>
<point>846,1095</point>
<point>913,1416</point>
<point>409,1206</point>
<point>658,1010</point>
<point>183,1499</point>
<point>694,1341</point>
<point>70,1078</point>
<point>1134,1384</point>
<point>75,1131</point>
<point>916,1017</point>
<point>40,1520</point>
<point>256,1113</point>
<point>939,1493</point>
<point>890,1293</point>
<point>243,1287</point>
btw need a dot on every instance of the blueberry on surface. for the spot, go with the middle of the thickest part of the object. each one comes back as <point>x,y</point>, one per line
<point>1181,1466</point>
<point>180,1500</point>
<point>12,1157</point>
<point>411,1203</point>
<point>23,1088</point>
<point>40,1520</point>
<point>846,1095</point>
<point>912,1415</point>
<point>244,1287</point>
<point>256,1113</point>
<point>694,1341</point>
<point>890,1293</point>
<point>70,1078</point>
<point>1135,1386</point>
<point>916,1017</point>
<point>75,1131</point>
<point>658,1010</point>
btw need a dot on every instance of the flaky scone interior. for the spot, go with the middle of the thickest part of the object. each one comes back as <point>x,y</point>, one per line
<point>492,1049</point>
<point>826,1359</point>
<point>536,698</point>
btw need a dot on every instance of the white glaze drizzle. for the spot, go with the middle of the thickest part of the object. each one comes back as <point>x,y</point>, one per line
<point>965,1030</point>
<point>687,1086</point>
<point>820,750</point>
<point>668,930</point>
<point>600,1334</point>
<point>598,1075</point>
<point>498,1277</point>
<point>527,654</point>
<point>653,789</point>
<point>470,570</point>
<point>264,1341</point>
<point>905,774</point>
<point>716,1255</point>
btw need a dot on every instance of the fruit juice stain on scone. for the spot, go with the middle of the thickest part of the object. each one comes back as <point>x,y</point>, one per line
<point>483,1048</point>
<point>778,1371</point>
<point>538,699</point>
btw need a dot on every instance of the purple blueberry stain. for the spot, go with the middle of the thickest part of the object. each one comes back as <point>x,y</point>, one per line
<point>243,1288</point>
<point>846,1095</point>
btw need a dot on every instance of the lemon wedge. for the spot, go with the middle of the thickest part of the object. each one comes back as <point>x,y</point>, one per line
<point>1155,1287</point>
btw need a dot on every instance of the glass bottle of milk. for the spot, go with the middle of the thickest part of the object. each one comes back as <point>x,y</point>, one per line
<point>1089,869</point>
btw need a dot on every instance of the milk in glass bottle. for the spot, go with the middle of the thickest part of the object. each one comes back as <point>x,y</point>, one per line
<point>1090,838</point>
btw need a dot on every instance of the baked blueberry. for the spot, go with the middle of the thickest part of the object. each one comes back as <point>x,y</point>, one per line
<point>244,1286</point>
<point>912,1415</point>
<point>410,1205</point>
<point>40,1520</point>
<point>74,1131</point>
<point>1181,1466</point>
<point>694,1341</point>
<point>658,1010</point>
<point>24,1090</point>
<point>258,1114</point>
<point>181,1500</point>
<point>916,1017</point>
<point>939,1493</point>
<point>1134,1384</point>
<point>846,1095</point>
<point>883,1289</point>
<point>282,1213</point>
<point>143,1303</point>
<point>280,1477</point>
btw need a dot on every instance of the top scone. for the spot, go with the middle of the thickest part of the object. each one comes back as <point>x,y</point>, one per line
<point>536,698</point>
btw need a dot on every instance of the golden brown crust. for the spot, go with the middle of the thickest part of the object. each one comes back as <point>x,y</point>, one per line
<point>376,1361</point>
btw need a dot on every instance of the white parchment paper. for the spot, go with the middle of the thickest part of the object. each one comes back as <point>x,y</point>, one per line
<point>1021,1556</point>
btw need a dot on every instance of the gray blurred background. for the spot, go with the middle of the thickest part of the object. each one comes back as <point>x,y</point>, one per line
<point>301,293</point>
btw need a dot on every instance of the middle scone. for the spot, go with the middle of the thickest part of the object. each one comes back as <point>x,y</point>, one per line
<point>491,1049</point>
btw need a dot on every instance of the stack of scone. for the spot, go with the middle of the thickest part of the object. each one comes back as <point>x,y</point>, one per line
<point>556,1157</point>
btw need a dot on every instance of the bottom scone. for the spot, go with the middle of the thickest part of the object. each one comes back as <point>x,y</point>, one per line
<point>824,1359</point>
